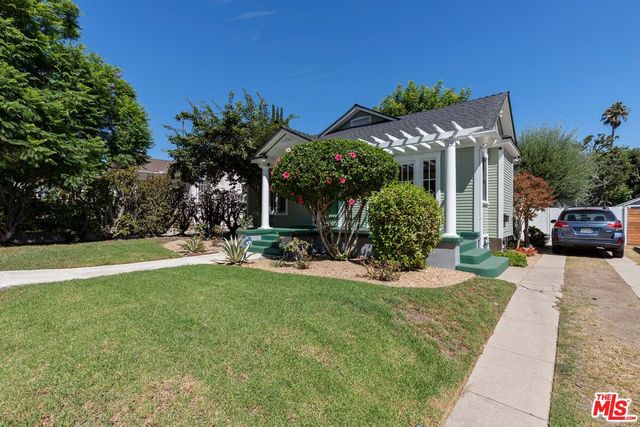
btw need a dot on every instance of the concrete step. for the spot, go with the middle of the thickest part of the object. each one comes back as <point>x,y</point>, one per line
<point>491,267</point>
<point>468,245</point>
<point>475,256</point>
<point>265,243</point>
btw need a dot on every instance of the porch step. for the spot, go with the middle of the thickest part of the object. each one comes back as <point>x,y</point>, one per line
<point>490,267</point>
<point>467,245</point>
<point>265,244</point>
<point>475,256</point>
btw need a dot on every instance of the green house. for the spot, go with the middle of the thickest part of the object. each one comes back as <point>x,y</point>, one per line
<point>467,149</point>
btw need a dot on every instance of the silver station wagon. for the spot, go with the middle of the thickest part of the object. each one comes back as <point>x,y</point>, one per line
<point>588,227</point>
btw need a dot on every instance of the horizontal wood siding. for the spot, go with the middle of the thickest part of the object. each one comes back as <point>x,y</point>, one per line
<point>491,223</point>
<point>508,194</point>
<point>464,189</point>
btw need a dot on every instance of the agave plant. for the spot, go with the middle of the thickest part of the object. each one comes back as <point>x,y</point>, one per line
<point>235,250</point>
<point>193,245</point>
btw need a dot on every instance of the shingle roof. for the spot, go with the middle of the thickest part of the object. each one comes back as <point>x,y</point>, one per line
<point>477,112</point>
<point>155,166</point>
<point>300,133</point>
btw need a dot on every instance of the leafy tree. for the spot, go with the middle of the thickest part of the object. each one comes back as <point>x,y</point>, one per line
<point>321,173</point>
<point>557,157</point>
<point>616,175</point>
<point>415,98</point>
<point>65,115</point>
<point>531,194</point>
<point>222,140</point>
<point>139,206</point>
<point>218,206</point>
<point>614,115</point>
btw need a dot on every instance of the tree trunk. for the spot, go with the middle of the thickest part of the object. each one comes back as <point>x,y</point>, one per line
<point>14,201</point>
<point>526,233</point>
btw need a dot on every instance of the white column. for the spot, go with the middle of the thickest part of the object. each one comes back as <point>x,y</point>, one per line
<point>450,191</point>
<point>264,200</point>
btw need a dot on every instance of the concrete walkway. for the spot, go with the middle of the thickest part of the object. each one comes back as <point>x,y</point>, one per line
<point>629,271</point>
<point>25,277</point>
<point>512,380</point>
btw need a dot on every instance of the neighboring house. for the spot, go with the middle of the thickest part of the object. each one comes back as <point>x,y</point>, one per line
<point>161,167</point>
<point>631,219</point>
<point>467,149</point>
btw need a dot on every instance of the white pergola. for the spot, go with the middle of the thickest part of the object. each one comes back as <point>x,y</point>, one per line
<point>412,141</point>
<point>424,141</point>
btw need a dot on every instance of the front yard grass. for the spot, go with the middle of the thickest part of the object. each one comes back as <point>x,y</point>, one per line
<point>108,252</point>
<point>236,346</point>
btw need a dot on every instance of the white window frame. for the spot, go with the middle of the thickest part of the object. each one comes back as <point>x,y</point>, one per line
<point>273,196</point>
<point>417,160</point>
<point>412,164</point>
<point>484,187</point>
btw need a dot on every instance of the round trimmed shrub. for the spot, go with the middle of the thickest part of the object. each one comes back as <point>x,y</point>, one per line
<point>404,224</point>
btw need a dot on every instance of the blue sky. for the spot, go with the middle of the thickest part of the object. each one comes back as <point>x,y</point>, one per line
<point>563,61</point>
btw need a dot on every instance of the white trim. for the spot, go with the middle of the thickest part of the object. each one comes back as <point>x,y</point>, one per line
<point>629,202</point>
<point>264,197</point>
<point>478,222</point>
<point>450,223</point>
<point>484,162</point>
<point>416,159</point>
<point>349,115</point>
<point>500,185</point>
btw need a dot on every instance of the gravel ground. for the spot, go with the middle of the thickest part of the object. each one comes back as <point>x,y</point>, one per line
<point>430,277</point>
<point>210,245</point>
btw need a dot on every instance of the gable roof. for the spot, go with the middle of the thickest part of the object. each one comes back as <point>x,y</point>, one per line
<point>352,112</point>
<point>482,112</point>
<point>478,112</point>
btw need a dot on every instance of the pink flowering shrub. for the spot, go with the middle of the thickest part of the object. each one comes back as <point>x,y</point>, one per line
<point>322,172</point>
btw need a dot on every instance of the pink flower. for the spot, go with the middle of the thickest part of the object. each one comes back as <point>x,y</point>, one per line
<point>299,201</point>
<point>329,181</point>
<point>353,155</point>
<point>338,157</point>
<point>343,180</point>
<point>286,175</point>
<point>278,159</point>
<point>351,202</point>
<point>287,150</point>
<point>293,194</point>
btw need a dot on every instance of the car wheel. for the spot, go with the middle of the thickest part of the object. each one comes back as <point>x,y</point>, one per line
<point>618,253</point>
<point>557,249</point>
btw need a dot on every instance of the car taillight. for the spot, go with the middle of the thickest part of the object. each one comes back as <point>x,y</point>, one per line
<point>561,224</point>
<point>615,225</point>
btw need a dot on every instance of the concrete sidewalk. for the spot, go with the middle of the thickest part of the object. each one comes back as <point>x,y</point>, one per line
<point>629,271</point>
<point>512,380</point>
<point>25,277</point>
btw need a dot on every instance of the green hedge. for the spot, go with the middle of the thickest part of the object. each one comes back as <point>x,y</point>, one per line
<point>404,224</point>
<point>516,259</point>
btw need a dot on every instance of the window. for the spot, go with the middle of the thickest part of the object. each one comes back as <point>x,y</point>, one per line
<point>485,178</point>
<point>406,173</point>
<point>429,177</point>
<point>360,121</point>
<point>277,204</point>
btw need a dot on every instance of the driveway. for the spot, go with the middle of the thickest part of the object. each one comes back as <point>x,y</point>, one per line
<point>599,339</point>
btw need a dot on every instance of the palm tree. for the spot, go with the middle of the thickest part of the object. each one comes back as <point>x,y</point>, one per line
<point>614,115</point>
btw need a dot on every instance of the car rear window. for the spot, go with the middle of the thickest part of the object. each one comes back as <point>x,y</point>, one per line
<point>588,215</point>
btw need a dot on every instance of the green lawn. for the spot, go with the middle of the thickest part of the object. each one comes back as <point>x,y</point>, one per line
<point>32,257</point>
<point>230,345</point>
